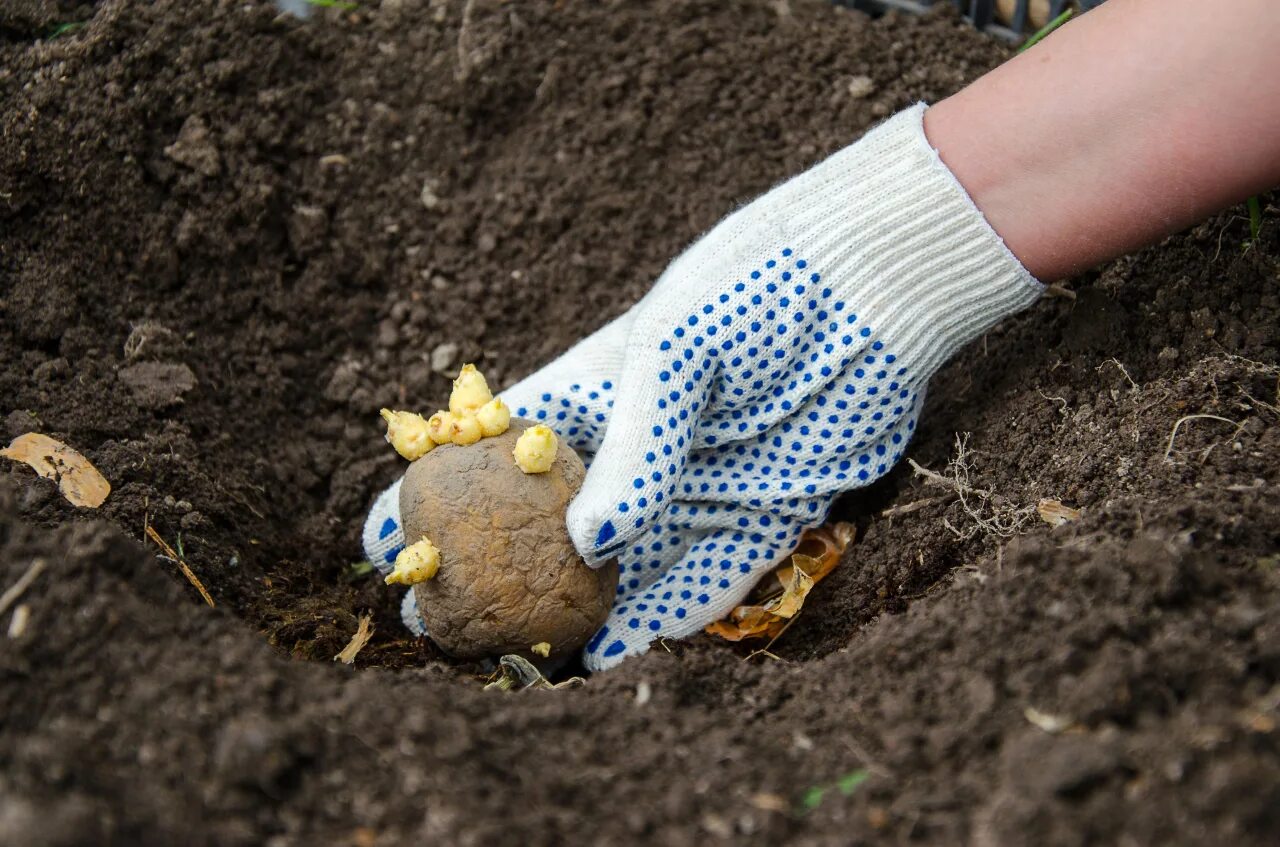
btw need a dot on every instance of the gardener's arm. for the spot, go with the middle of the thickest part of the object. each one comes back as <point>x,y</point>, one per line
<point>1130,123</point>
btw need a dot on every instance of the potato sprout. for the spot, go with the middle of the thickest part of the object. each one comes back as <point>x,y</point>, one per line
<point>494,417</point>
<point>465,430</point>
<point>536,449</point>
<point>416,563</point>
<point>470,391</point>
<point>408,433</point>
<point>440,427</point>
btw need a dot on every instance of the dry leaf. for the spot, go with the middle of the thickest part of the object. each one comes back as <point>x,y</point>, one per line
<point>363,633</point>
<point>750,621</point>
<point>78,480</point>
<point>788,605</point>
<point>780,596</point>
<point>743,622</point>
<point>1054,513</point>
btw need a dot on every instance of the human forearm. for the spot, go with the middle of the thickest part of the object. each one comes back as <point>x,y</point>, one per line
<point>1132,122</point>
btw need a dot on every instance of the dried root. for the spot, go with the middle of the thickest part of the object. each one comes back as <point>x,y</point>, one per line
<point>990,513</point>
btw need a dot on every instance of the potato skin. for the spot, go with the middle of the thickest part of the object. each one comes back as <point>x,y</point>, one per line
<point>509,576</point>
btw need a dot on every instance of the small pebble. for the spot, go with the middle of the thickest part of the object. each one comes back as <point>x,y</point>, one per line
<point>343,382</point>
<point>861,86</point>
<point>429,198</point>
<point>443,356</point>
<point>388,334</point>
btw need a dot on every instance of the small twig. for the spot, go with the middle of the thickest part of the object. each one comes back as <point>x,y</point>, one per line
<point>930,590</point>
<point>1262,404</point>
<point>464,43</point>
<point>763,651</point>
<point>1152,404</point>
<point>963,536</point>
<point>899,511</point>
<point>24,582</point>
<point>786,626</point>
<point>186,571</point>
<point>1173,434</point>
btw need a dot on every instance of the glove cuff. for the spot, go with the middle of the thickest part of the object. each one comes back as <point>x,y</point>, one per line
<point>907,243</point>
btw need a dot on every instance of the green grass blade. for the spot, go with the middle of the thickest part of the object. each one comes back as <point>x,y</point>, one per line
<point>1255,217</point>
<point>357,571</point>
<point>63,29</point>
<point>335,4</point>
<point>849,782</point>
<point>812,798</point>
<point>1045,30</point>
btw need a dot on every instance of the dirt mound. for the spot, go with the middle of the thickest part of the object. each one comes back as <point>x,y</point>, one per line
<point>228,236</point>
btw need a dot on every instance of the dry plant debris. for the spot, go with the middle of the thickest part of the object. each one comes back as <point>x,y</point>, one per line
<point>173,556</point>
<point>364,631</point>
<point>774,603</point>
<point>518,673</point>
<point>18,623</point>
<point>1052,724</point>
<point>14,591</point>
<point>1054,513</point>
<point>991,513</point>
<point>78,480</point>
<point>1204,454</point>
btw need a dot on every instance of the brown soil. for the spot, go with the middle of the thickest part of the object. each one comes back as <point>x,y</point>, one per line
<point>227,237</point>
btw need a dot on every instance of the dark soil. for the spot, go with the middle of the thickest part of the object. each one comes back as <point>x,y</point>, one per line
<point>228,236</point>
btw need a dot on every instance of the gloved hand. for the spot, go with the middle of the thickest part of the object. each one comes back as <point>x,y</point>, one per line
<point>780,360</point>
<point>578,409</point>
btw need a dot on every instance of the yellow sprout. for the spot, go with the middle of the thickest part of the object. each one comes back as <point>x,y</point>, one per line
<point>470,391</point>
<point>408,433</point>
<point>440,427</point>
<point>494,417</point>
<point>536,449</point>
<point>465,430</point>
<point>416,563</point>
<point>542,648</point>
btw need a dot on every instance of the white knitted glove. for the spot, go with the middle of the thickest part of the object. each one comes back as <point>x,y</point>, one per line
<point>780,360</point>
